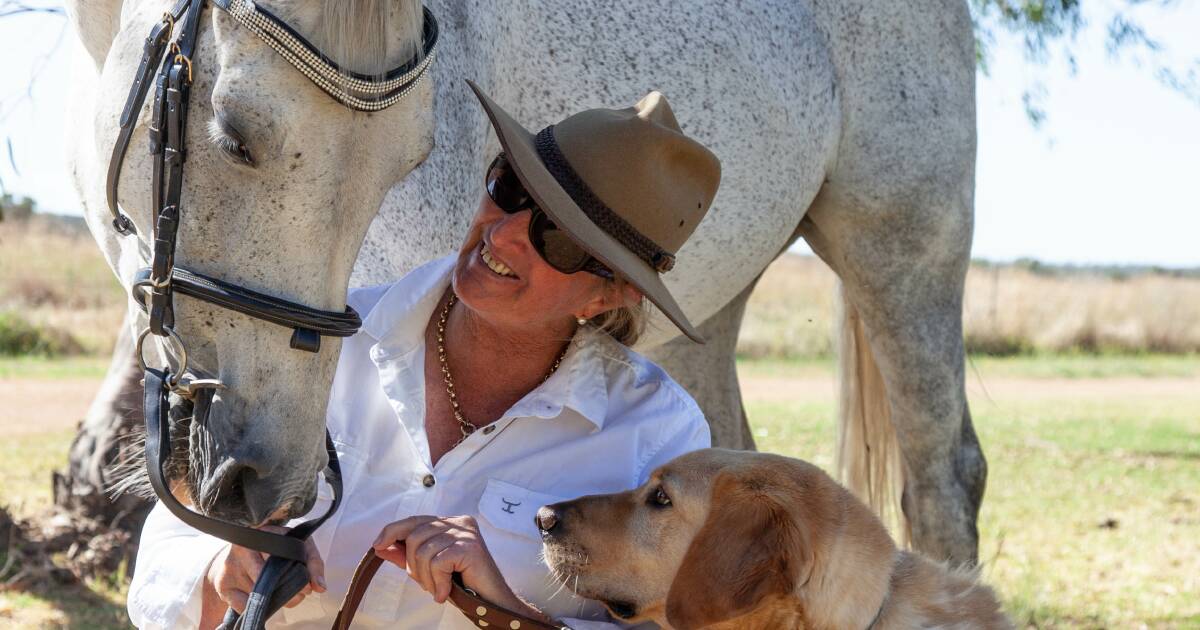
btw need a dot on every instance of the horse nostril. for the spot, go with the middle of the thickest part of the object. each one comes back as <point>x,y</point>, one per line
<point>547,519</point>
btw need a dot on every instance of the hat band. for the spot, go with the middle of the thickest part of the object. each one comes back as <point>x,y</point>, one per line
<point>595,209</point>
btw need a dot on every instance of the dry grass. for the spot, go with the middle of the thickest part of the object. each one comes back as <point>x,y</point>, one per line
<point>53,276</point>
<point>1013,307</point>
<point>1008,309</point>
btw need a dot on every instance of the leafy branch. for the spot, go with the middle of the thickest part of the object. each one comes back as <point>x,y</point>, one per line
<point>1046,27</point>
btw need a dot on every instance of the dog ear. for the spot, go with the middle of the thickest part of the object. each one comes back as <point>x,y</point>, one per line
<point>749,548</point>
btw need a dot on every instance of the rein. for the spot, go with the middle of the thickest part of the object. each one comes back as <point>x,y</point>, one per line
<point>168,64</point>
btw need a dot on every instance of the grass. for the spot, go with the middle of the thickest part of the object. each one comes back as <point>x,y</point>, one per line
<point>99,604</point>
<point>33,367</point>
<point>1007,310</point>
<point>1066,366</point>
<point>1091,518</point>
<point>54,277</point>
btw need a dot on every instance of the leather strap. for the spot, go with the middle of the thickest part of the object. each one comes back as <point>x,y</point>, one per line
<point>480,611</point>
<point>152,52</point>
<point>284,574</point>
<point>303,319</point>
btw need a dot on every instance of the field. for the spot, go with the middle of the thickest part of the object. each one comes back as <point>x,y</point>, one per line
<point>1090,520</point>
<point>1084,388</point>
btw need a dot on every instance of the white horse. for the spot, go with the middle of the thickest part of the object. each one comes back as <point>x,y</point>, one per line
<point>848,123</point>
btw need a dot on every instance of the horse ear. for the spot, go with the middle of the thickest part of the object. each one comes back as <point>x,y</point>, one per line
<point>749,548</point>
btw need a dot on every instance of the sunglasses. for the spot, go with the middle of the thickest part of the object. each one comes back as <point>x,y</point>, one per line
<point>555,246</point>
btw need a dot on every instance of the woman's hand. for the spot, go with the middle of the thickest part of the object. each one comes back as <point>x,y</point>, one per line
<point>232,574</point>
<point>433,548</point>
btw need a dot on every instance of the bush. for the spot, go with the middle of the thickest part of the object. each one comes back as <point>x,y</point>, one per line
<point>19,337</point>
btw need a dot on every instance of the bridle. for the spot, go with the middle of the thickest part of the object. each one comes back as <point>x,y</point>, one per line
<point>168,57</point>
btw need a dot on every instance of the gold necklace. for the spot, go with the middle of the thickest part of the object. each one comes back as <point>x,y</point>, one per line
<point>465,425</point>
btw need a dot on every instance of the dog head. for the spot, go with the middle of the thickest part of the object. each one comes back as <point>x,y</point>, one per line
<point>715,535</point>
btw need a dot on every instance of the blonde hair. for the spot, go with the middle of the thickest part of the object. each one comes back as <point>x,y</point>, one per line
<point>624,323</point>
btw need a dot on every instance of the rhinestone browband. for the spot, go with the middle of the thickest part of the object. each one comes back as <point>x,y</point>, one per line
<point>358,91</point>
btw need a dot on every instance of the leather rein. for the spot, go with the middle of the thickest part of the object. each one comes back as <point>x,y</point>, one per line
<point>168,57</point>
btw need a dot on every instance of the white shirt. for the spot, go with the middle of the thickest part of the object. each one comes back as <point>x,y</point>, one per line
<point>601,423</point>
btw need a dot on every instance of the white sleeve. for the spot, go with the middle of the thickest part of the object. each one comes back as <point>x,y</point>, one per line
<point>172,561</point>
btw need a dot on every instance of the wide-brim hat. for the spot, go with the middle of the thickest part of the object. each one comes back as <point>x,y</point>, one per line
<point>626,184</point>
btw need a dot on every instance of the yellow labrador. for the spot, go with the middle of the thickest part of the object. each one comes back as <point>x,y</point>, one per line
<point>731,539</point>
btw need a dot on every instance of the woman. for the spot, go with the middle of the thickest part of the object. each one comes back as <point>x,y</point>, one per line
<point>485,385</point>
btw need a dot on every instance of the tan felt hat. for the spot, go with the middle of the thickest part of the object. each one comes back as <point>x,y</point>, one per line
<point>626,184</point>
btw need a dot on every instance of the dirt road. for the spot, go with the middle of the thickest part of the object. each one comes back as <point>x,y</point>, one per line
<point>43,405</point>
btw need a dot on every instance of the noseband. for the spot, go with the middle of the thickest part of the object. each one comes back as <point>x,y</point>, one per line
<point>169,64</point>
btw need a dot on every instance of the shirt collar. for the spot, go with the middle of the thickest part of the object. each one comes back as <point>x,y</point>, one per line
<point>397,323</point>
<point>579,384</point>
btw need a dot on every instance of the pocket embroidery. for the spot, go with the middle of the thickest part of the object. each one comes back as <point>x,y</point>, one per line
<point>513,508</point>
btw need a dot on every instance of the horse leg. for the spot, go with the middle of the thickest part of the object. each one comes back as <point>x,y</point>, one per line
<point>903,268</point>
<point>709,372</point>
<point>104,433</point>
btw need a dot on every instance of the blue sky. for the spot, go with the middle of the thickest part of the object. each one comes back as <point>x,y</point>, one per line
<point>1112,176</point>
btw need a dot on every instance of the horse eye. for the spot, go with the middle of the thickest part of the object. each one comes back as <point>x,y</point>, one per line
<point>660,498</point>
<point>229,141</point>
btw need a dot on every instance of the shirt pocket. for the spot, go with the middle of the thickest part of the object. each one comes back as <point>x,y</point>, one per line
<point>506,521</point>
<point>511,508</point>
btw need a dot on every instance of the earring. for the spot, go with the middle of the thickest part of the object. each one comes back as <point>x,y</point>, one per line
<point>581,321</point>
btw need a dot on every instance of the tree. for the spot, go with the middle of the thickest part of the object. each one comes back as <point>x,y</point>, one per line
<point>13,210</point>
<point>1049,28</point>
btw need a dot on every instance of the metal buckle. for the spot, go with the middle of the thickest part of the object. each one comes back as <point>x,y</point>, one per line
<point>182,357</point>
<point>179,56</point>
<point>169,20</point>
<point>178,382</point>
<point>187,387</point>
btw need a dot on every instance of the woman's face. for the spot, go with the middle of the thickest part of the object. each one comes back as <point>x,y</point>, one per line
<point>503,279</point>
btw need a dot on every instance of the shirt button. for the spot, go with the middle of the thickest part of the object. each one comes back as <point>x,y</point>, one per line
<point>428,481</point>
<point>488,429</point>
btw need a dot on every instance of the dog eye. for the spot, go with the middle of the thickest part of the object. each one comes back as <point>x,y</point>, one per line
<point>660,498</point>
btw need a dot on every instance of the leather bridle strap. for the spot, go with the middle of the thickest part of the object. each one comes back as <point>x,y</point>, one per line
<point>309,324</point>
<point>152,54</point>
<point>481,612</point>
<point>360,92</point>
<point>275,587</point>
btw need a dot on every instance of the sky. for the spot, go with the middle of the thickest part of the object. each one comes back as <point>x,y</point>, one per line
<point>1112,176</point>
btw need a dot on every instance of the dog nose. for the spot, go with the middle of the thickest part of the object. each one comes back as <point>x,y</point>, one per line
<point>547,519</point>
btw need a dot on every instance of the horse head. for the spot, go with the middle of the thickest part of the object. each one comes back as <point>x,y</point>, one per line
<point>280,185</point>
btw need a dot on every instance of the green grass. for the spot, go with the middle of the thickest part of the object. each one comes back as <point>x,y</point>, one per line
<point>1031,366</point>
<point>28,461</point>
<point>1092,512</point>
<point>58,368</point>
<point>1088,365</point>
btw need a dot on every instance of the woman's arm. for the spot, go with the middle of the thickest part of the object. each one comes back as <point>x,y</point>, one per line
<point>172,561</point>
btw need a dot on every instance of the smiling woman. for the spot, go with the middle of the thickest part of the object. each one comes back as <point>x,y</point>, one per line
<point>478,372</point>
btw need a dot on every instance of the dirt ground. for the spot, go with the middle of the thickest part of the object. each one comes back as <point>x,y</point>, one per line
<point>40,405</point>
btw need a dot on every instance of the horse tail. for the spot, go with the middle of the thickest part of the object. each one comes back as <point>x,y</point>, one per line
<point>868,452</point>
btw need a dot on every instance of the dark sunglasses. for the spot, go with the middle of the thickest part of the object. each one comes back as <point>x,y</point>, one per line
<point>555,246</point>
